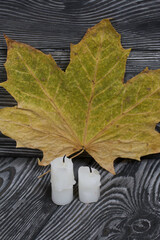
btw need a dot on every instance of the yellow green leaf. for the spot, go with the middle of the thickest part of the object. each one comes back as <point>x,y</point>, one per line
<point>86,107</point>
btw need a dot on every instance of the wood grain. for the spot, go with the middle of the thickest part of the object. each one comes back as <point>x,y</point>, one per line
<point>127,209</point>
<point>22,198</point>
<point>56,24</point>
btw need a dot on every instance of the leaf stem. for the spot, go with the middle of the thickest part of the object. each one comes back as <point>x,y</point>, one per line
<point>82,150</point>
<point>43,174</point>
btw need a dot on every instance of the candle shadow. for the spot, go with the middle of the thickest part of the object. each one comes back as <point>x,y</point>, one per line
<point>83,159</point>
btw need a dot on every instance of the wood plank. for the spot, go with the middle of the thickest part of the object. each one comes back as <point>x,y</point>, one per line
<point>56,24</point>
<point>128,206</point>
<point>137,61</point>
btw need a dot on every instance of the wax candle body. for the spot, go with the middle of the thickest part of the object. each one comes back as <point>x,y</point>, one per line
<point>62,180</point>
<point>89,184</point>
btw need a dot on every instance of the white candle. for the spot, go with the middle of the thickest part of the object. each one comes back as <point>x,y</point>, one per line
<point>62,180</point>
<point>89,184</point>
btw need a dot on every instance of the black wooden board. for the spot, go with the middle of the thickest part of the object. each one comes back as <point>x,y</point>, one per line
<point>129,206</point>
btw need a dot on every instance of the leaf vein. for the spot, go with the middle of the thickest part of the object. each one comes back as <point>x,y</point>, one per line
<point>50,99</point>
<point>84,68</point>
<point>92,91</point>
<point>119,117</point>
<point>113,67</point>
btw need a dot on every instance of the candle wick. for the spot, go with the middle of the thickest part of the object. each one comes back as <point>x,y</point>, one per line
<point>64,158</point>
<point>90,169</point>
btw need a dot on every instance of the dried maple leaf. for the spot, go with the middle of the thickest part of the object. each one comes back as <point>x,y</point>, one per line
<point>86,107</point>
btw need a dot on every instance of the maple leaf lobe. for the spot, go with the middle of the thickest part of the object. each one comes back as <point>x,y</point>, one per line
<point>86,107</point>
